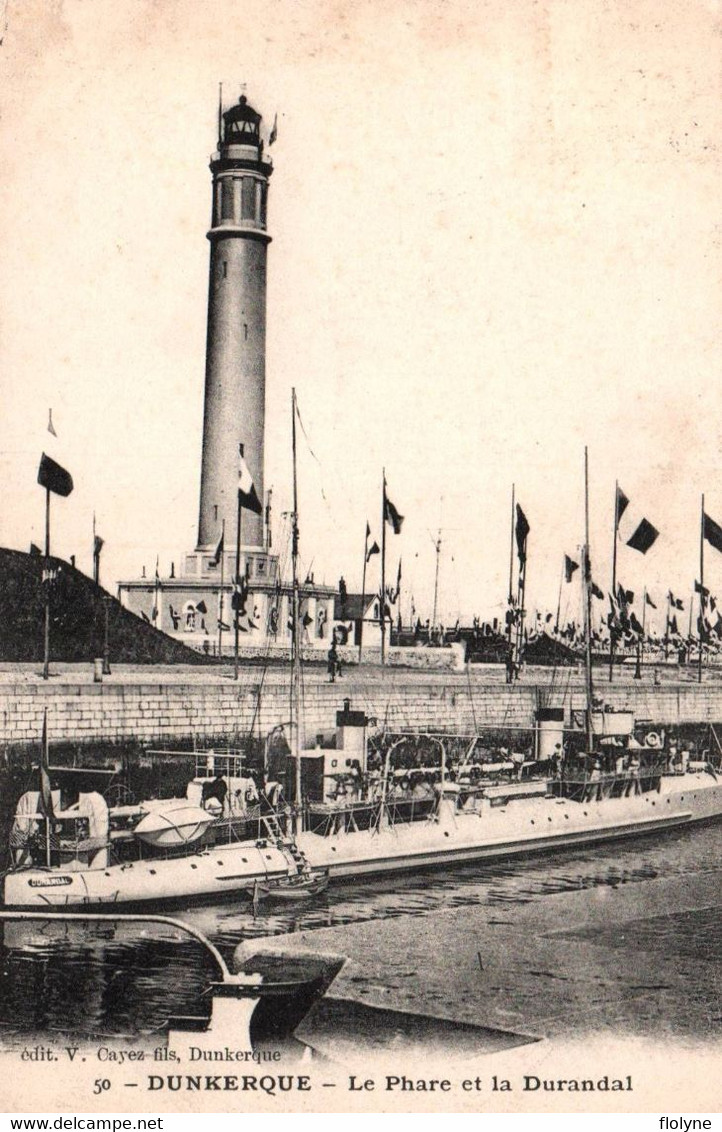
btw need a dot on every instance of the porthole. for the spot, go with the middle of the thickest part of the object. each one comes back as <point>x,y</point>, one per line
<point>194,866</point>
<point>532,821</point>
<point>152,872</point>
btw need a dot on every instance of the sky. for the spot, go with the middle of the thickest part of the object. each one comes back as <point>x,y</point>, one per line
<point>496,240</point>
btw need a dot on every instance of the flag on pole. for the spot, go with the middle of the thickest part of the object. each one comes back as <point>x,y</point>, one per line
<point>373,549</point>
<point>712,532</point>
<point>46,794</point>
<point>246,489</point>
<point>392,516</point>
<point>274,130</point>
<point>54,478</point>
<point>675,602</point>
<point>570,567</point>
<point>624,597</point>
<point>644,537</point>
<point>51,426</point>
<point>522,532</point>
<point>98,544</point>
<point>700,589</point>
<point>219,550</point>
<point>649,602</point>
<point>622,503</point>
<point>597,592</point>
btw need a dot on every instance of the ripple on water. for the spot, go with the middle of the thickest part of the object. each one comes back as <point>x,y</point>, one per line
<point>125,979</point>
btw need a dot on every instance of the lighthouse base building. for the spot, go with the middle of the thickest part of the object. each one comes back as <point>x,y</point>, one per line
<point>230,583</point>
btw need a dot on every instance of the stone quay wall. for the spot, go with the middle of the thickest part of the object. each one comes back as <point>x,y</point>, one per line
<point>136,707</point>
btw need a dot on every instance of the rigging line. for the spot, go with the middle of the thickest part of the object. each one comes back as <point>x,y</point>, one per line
<point>315,457</point>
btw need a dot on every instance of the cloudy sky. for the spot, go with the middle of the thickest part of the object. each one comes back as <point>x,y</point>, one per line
<point>495,240</point>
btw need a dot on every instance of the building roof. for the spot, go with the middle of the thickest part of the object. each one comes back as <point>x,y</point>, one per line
<point>353,608</point>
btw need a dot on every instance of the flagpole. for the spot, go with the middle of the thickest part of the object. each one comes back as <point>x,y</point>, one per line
<point>614,577</point>
<point>511,576</point>
<point>382,607</point>
<point>363,594</point>
<point>44,760</point>
<point>46,644</point>
<point>588,603</point>
<point>666,628</point>
<point>220,595</point>
<point>559,600</point>
<point>237,592</point>
<point>521,598</point>
<point>296,626</point>
<point>640,640</point>
<point>701,589</point>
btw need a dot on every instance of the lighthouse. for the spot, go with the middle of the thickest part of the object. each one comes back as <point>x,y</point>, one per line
<point>228,596</point>
<point>235,386</point>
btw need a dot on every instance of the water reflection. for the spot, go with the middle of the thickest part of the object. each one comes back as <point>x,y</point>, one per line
<point>110,979</point>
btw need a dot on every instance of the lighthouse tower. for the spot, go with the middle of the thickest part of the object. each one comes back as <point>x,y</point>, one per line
<point>235,390</point>
<point>234,602</point>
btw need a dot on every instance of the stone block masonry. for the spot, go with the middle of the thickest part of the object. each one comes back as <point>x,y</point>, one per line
<point>214,708</point>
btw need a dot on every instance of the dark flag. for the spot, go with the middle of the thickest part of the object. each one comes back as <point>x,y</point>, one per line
<point>46,794</point>
<point>596,592</point>
<point>673,628</point>
<point>625,597</point>
<point>247,495</point>
<point>644,537</point>
<point>240,595</point>
<point>622,504</point>
<point>202,607</point>
<point>392,516</point>
<point>373,549</point>
<point>274,130</point>
<point>54,478</point>
<point>35,551</point>
<point>98,544</point>
<point>635,625</point>
<point>675,602</point>
<point>700,589</point>
<point>712,532</point>
<point>219,550</point>
<point>569,568</point>
<point>649,602</point>
<point>522,533</point>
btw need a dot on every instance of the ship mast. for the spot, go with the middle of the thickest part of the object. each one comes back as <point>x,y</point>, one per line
<point>296,640</point>
<point>588,606</point>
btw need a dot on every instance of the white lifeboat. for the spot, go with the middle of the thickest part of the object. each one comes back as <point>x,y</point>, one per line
<point>179,824</point>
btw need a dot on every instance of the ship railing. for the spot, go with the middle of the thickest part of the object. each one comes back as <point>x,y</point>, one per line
<point>612,784</point>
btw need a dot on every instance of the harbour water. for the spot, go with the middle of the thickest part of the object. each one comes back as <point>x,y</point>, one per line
<point>108,980</point>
